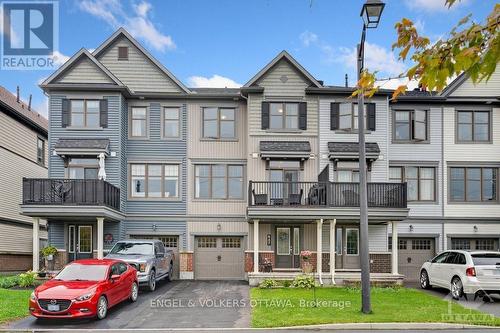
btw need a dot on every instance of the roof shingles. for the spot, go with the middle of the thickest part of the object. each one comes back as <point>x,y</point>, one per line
<point>21,109</point>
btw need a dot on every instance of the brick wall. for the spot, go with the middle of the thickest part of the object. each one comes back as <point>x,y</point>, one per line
<point>380,262</point>
<point>312,260</point>
<point>262,255</point>
<point>15,262</point>
<point>186,261</point>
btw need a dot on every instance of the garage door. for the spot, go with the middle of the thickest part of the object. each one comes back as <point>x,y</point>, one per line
<point>413,252</point>
<point>219,258</point>
<point>170,243</point>
<point>480,244</point>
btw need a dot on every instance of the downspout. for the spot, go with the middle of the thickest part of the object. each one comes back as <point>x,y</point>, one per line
<point>319,252</point>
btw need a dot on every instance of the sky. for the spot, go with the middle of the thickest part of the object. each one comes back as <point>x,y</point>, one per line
<point>218,43</point>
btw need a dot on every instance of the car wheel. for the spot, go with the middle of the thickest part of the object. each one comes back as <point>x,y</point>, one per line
<point>134,292</point>
<point>457,288</point>
<point>170,272</point>
<point>424,280</point>
<point>102,308</point>
<point>152,280</point>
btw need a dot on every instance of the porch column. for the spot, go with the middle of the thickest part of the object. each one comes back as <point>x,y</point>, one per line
<point>332,248</point>
<point>395,246</point>
<point>256,246</point>
<point>100,237</point>
<point>36,244</point>
<point>319,251</point>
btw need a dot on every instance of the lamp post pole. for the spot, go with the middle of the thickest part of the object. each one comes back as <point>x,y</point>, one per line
<point>363,199</point>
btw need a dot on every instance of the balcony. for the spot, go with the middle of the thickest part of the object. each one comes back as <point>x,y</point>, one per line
<point>70,192</point>
<point>264,196</point>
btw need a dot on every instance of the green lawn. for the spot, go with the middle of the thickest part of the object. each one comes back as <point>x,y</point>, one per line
<point>388,305</point>
<point>13,304</point>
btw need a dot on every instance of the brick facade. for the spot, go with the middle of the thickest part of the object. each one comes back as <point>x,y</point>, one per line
<point>186,261</point>
<point>262,255</point>
<point>16,262</point>
<point>380,262</point>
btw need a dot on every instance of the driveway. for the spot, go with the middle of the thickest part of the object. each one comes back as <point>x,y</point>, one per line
<point>492,308</point>
<point>178,304</point>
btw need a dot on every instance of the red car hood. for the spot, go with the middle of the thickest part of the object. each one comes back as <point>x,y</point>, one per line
<point>55,289</point>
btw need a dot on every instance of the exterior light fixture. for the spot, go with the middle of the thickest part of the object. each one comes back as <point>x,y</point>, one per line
<point>371,13</point>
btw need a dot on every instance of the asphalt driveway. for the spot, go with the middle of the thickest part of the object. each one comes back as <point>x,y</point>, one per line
<point>178,304</point>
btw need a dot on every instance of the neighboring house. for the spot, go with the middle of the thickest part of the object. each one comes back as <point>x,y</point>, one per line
<point>231,177</point>
<point>23,153</point>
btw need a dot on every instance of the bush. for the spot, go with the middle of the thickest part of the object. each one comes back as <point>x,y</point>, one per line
<point>268,283</point>
<point>48,250</point>
<point>7,282</point>
<point>304,281</point>
<point>287,283</point>
<point>27,279</point>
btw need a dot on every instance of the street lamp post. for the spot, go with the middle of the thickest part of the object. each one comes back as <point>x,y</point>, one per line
<point>371,12</point>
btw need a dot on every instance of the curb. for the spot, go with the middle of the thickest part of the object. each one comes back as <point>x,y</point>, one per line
<point>389,326</point>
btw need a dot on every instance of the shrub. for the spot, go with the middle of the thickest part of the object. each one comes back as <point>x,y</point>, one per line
<point>48,250</point>
<point>268,283</point>
<point>27,279</point>
<point>9,281</point>
<point>287,283</point>
<point>304,281</point>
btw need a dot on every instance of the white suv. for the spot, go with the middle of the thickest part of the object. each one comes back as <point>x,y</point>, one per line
<point>475,273</point>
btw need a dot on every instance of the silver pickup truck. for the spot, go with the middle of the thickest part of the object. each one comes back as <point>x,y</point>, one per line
<point>149,257</point>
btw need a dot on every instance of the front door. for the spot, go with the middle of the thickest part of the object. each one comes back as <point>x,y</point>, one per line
<point>347,247</point>
<point>80,242</point>
<point>288,247</point>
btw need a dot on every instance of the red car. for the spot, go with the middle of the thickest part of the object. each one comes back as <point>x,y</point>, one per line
<point>85,288</point>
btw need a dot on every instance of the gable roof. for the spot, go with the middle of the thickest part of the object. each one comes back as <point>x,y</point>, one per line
<point>450,88</point>
<point>121,32</point>
<point>283,55</point>
<point>20,111</point>
<point>73,61</point>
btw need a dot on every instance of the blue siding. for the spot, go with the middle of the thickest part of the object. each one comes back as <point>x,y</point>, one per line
<point>56,234</point>
<point>115,229</point>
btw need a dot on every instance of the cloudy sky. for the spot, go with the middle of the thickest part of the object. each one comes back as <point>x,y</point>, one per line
<point>222,43</point>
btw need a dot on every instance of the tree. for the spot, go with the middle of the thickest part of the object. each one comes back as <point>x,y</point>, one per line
<point>473,48</point>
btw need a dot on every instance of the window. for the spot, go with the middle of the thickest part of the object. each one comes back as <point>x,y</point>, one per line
<point>218,181</point>
<point>207,242</point>
<point>473,126</point>
<point>231,242</point>
<point>460,244</point>
<point>420,181</point>
<point>348,176</point>
<point>154,180</point>
<point>139,122</point>
<point>352,244</point>
<point>83,168</point>
<point>348,116</point>
<point>487,244</point>
<point>421,244</point>
<point>71,239</point>
<point>122,53</point>
<point>284,115</point>
<point>473,184</point>
<point>40,151</point>
<point>403,244</point>
<point>85,113</point>
<point>171,122</point>
<point>169,241</point>
<point>441,258</point>
<point>219,123</point>
<point>410,125</point>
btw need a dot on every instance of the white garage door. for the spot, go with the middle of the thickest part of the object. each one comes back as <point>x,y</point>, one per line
<point>219,258</point>
<point>170,243</point>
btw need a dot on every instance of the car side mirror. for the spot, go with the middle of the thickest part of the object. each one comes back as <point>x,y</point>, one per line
<point>115,277</point>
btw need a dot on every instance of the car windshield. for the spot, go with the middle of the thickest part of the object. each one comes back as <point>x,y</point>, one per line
<point>480,259</point>
<point>79,272</point>
<point>132,248</point>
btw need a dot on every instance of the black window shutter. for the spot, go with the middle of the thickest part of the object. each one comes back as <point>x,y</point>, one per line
<point>334,116</point>
<point>66,112</point>
<point>370,109</point>
<point>103,112</point>
<point>303,115</point>
<point>265,115</point>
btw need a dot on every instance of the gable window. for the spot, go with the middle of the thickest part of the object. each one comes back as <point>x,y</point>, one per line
<point>122,53</point>
<point>284,115</point>
<point>154,180</point>
<point>219,123</point>
<point>421,181</point>
<point>84,113</point>
<point>171,122</point>
<point>473,184</point>
<point>410,125</point>
<point>139,122</point>
<point>40,151</point>
<point>218,181</point>
<point>473,126</point>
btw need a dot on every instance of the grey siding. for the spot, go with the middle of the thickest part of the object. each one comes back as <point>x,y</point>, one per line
<point>84,71</point>
<point>57,234</point>
<point>148,227</point>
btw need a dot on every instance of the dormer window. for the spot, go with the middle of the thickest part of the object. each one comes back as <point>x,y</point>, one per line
<point>122,53</point>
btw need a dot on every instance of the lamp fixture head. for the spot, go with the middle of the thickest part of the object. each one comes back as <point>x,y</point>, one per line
<point>371,13</point>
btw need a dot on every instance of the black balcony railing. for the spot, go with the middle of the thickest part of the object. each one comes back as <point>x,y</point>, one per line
<point>325,194</point>
<point>84,192</point>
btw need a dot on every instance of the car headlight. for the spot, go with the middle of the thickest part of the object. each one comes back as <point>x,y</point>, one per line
<point>142,267</point>
<point>32,296</point>
<point>85,296</point>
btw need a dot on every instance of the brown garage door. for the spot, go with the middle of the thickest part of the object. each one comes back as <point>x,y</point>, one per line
<point>170,243</point>
<point>413,252</point>
<point>480,244</point>
<point>219,258</point>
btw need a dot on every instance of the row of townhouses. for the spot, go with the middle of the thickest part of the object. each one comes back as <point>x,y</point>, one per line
<point>231,177</point>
